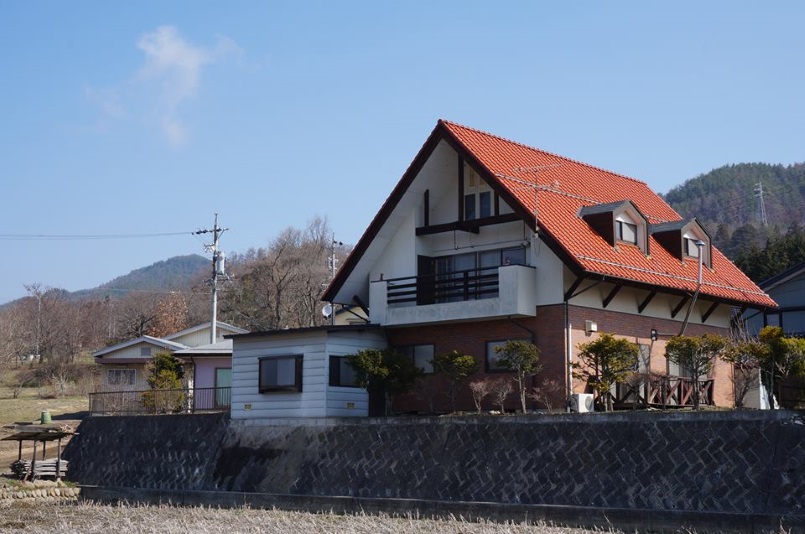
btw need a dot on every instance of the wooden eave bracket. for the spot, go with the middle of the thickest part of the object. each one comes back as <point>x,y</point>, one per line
<point>710,310</point>
<point>612,294</point>
<point>646,301</point>
<point>572,289</point>
<point>679,306</point>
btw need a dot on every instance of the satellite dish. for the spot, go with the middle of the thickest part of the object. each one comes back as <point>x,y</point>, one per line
<point>327,310</point>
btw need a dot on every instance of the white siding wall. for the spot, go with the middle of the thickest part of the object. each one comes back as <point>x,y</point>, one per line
<point>317,398</point>
<point>347,402</point>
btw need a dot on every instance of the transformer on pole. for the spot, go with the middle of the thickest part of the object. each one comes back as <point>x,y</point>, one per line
<point>218,270</point>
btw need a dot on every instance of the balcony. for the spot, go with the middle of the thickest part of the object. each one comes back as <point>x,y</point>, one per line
<point>504,291</point>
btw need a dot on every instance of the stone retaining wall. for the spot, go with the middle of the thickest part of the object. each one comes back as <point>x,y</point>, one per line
<point>711,462</point>
<point>38,492</point>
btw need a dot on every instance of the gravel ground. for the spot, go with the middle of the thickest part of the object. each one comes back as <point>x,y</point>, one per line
<point>48,518</point>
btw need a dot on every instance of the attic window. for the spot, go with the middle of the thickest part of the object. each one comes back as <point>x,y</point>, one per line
<point>690,248</point>
<point>618,222</point>
<point>477,196</point>
<point>627,232</point>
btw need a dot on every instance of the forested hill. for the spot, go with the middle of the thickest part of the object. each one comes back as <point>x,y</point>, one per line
<point>729,195</point>
<point>727,201</point>
<point>176,273</point>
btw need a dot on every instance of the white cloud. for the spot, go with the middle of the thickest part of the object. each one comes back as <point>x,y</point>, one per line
<point>175,65</point>
<point>170,75</point>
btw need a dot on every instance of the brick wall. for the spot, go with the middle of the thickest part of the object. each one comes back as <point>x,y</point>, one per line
<point>548,328</point>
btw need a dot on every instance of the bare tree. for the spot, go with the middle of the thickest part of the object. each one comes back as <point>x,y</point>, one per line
<point>281,286</point>
<point>170,315</point>
<point>501,389</point>
<point>549,392</point>
<point>480,390</point>
<point>12,337</point>
<point>134,314</point>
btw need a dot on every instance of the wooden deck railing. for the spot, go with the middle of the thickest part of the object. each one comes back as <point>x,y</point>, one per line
<point>145,402</point>
<point>663,392</point>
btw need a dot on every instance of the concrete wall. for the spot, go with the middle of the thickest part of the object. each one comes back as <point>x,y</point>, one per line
<point>712,463</point>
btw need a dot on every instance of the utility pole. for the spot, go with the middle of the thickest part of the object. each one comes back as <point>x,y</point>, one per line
<point>333,262</point>
<point>217,270</point>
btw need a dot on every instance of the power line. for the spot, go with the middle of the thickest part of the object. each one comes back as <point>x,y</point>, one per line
<point>74,237</point>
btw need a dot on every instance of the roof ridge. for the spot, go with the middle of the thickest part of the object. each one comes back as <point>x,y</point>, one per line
<point>523,145</point>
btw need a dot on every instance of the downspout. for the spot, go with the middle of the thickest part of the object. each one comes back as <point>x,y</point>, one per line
<point>569,339</point>
<point>569,348</point>
<point>700,246</point>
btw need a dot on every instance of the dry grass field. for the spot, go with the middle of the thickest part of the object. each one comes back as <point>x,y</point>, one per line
<point>90,518</point>
<point>28,408</point>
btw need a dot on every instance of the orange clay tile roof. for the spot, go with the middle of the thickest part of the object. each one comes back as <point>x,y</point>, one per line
<point>556,188</point>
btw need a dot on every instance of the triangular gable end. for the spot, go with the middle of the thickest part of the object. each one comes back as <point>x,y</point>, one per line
<point>348,287</point>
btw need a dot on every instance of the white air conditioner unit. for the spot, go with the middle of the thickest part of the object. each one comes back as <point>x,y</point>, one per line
<point>581,403</point>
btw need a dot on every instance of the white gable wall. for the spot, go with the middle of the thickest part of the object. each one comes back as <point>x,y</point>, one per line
<point>135,351</point>
<point>202,336</point>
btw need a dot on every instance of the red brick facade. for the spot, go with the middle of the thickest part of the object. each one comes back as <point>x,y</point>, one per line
<point>548,331</point>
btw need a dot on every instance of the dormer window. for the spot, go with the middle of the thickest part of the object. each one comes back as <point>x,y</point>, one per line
<point>618,222</point>
<point>627,232</point>
<point>682,240</point>
<point>477,196</point>
<point>693,236</point>
<point>691,249</point>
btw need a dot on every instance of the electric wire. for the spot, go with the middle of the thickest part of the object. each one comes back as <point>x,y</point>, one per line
<point>74,237</point>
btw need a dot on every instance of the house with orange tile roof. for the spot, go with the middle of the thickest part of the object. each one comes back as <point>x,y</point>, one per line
<point>485,240</point>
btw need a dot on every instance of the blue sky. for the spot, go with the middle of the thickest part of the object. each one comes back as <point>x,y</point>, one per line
<point>143,118</point>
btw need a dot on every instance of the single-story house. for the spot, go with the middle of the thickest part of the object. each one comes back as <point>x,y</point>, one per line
<point>124,364</point>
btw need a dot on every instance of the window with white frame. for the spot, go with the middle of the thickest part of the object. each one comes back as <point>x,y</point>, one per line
<point>120,377</point>
<point>627,231</point>
<point>421,355</point>
<point>690,247</point>
<point>280,373</point>
<point>477,196</point>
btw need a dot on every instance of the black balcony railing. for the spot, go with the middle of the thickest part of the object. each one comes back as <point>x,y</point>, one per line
<point>456,286</point>
<point>149,402</point>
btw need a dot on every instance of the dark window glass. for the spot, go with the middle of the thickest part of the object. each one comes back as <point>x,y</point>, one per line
<point>469,207</point>
<point>341,373</point>
<point>421,355</point>
<point>280,373</point>
<point>513,256</point>
<point>485,203</point>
